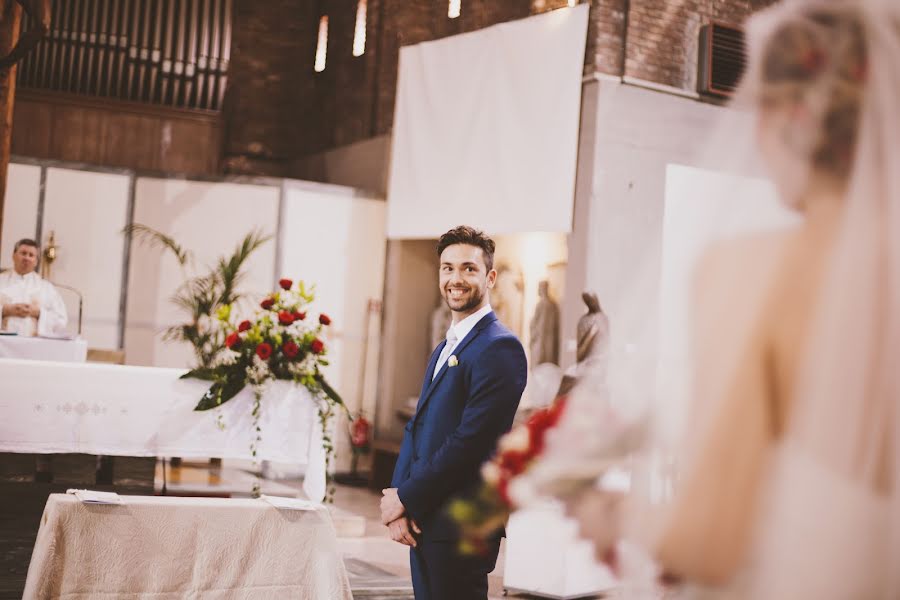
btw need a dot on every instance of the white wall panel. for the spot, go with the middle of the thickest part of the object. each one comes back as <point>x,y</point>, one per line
<point>87,211</point>
<point>209,218</point>
<point>337,242</point>
<point>23,189</point>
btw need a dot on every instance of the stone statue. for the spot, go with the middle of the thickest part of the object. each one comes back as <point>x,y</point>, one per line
<point>506,297</point>
<point>544,330</point>
<point>592,330</point>
<point>440,323</point>
<point>593,343</point>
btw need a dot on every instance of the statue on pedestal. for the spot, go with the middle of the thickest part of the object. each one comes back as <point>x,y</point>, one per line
<point>544,330</point>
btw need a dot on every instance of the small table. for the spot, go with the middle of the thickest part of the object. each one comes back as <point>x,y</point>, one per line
<point>38,348</point>
<point>168,547</point>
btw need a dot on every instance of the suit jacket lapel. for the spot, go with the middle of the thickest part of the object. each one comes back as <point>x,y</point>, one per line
<point>426,381</point>
<point>430,387</point>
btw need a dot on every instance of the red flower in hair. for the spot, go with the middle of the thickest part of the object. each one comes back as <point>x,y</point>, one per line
<point>233,341</point>
<point>813,60</point>
<point>317,346</point>
<point>244,326</point>
<point>298,316</point>
<point>285,283</point>
<point>290,349</point>
<point>267,303</point>
<point>324,319</point>
<point>264,351</point>
<point>285,318</point>
<point>859,71</point>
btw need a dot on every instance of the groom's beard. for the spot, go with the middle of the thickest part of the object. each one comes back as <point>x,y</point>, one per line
<point>466,303</point>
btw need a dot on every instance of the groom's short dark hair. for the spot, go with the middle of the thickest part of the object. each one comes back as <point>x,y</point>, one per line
<point>471,236</point>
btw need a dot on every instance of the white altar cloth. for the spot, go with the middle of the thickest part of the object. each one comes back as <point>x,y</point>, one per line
<point>52,407</point>
<point>35,348</point>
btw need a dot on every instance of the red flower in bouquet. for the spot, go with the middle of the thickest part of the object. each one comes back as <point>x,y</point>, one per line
<point>233,341</point>
<point>324,319</point>
<point>298,316</point>
<point>290,349</point>
<point>285,318</point>
<point>264,350</point>
<point>267,303</point>
<point>285,283</point>
<point>317,346</point>
<point>244,326</point>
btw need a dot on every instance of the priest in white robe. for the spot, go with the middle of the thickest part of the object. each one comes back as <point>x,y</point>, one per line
<point>30,305</point>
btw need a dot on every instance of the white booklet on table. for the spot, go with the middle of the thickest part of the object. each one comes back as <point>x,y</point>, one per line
<point>94,497</point>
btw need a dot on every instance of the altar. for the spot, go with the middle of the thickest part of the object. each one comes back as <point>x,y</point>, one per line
<point>40,348</point>
<point>56,407</point>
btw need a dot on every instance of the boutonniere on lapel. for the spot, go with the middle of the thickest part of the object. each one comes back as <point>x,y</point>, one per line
<point>452,361</point>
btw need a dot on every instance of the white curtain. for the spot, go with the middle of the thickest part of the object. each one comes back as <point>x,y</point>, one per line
<point>486,128</point>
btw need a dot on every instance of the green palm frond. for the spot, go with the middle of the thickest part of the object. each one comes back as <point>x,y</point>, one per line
<point>229,269</point>
<point>145,234</point>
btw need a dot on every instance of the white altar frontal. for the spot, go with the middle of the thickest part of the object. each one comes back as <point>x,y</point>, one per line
<point>56,407</point>
<point>39,348</point>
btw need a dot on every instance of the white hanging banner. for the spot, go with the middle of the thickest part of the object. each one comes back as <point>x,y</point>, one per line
<point>486,128</point>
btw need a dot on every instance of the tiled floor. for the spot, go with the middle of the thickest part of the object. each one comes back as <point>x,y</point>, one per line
<point>376,546</point>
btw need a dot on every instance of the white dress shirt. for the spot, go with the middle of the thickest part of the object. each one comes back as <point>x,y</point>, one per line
<point>32,289</point>
<point>457,333</point>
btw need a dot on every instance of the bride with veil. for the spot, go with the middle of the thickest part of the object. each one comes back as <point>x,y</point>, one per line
<point>788,482</point>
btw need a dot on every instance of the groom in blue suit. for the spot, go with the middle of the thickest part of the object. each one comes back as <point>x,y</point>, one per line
<point>469,397</point>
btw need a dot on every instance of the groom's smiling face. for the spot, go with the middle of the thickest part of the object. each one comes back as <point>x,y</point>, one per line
<point>464,278</point>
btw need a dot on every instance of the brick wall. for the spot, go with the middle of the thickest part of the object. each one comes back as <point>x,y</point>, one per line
<point>279,109</point>
<point>269,84</point>
<point>662,36</point>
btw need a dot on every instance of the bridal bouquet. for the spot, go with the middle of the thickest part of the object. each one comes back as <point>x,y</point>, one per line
<point>481,516</point>
<point>558,452</point>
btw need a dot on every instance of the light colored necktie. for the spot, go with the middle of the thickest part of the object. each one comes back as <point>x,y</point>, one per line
<point>445,353</point>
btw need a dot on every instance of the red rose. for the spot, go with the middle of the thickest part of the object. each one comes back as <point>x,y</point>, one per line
<point>267,303</point>
<point>513,462</point>
<point>503,490</point>
<point>233,340</point>
<point>317,346</point>
<point>285,283</point>
<point>244,326</point>
<point>290,349</point>
<point>264,351</point>
<point>324,319</point>
<point>285,318</point>
<point>299,316</point>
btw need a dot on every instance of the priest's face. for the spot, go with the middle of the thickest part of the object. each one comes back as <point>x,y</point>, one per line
<point>464,279</point>
<point>25,259</point>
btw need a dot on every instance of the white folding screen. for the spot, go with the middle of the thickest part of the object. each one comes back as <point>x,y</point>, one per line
<point>336,240</point>
<point>486,128</point>
<point>20,208</point>
<point>209,218</point>
<point>87,212</point>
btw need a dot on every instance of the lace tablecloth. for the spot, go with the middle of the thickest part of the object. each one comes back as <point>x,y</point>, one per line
<point>167,548</point>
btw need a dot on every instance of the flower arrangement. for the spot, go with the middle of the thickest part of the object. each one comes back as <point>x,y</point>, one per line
<point>479,517</point>
<point>282,341</point>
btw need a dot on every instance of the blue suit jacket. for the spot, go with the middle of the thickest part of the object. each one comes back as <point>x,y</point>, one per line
<point>460,416</point>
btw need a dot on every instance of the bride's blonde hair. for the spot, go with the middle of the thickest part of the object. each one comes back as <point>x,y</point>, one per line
<point>815,65</point>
